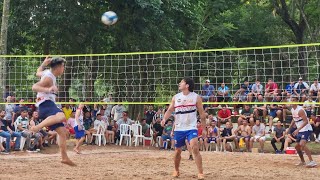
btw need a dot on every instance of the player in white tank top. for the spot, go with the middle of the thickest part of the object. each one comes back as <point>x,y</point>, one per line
<point>302,133</point>
<point>185,105</point>
<point>79,129</point>
<point>46,89</point>
<point>43,96</point>
<point>185,111</point>
<point>298,120</point>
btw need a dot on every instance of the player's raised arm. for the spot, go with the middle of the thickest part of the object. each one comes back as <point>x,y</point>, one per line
<point>42,67</point>
<point>168,112</point>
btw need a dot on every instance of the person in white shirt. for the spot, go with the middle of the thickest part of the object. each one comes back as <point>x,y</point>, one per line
<point>314,89</point>
<point>116,112</point>
<point>80,133</point>
<point>303,132</point>
<point>258,132</point>
<point>309,106</point>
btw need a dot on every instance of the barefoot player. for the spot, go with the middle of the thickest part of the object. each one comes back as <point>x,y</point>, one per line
<point>185,104</point>
<point>46,90</point>
<point>303,132</point>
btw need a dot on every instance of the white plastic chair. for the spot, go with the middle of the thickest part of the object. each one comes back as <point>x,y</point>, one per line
<point>125,131</point>
<point>100,135</point>
<point>137,133</point>
<point>211,146</point>
<point>23,139</point>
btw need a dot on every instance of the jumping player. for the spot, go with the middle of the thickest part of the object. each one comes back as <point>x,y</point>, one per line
<point>303,132</point>
<point>185,104</point>
<point>46,90</point>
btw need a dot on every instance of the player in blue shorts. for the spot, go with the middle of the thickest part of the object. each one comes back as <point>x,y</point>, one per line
<point>303,132</point>
<point>46,90</point>
<point>185,104</point>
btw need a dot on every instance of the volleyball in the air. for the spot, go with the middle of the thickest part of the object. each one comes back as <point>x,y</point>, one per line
<point>109,18</point>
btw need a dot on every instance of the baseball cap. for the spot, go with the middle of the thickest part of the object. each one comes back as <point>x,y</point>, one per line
<point>300,78</point>
<point>208,80</point>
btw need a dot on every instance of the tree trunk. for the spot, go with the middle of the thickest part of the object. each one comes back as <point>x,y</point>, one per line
<point>3,45</point>
<point>297,28</point>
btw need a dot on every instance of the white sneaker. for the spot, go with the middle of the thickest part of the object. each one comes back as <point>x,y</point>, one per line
<point>301,164</point>
<point>311,164</point>
<point>317,141</point>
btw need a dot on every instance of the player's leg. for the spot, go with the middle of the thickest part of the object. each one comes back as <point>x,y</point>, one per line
<point>176,160</point>
<point>305,149</point>
<point>189,149</point>
<point>179,137</point>
<point>299,151</point>
<point>53,119</point>
<point>303,144</point>
<point>63,145</point>
<point>196,153</point>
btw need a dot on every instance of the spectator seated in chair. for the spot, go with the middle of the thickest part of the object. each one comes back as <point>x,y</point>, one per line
<point>258,135</point>
<point>246,114</point>
<point>224,115</point>
<point>7,133</point>
<point>166,134</point>
<point>315,123</point>
<point>279,136</point>
<point>157,129</point>
<point>243,132</point>
<point>23,127</point>
<point>227,135</point>
<point>213,135</point>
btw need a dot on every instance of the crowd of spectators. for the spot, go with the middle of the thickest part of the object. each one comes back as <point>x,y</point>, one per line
<point>227,126</point>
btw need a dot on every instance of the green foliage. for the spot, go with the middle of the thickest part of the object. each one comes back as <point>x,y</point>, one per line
<point>74,27</point>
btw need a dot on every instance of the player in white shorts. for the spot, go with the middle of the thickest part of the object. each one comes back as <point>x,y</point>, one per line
<point>46,90</point>
<point>303,132</point>
<point>185,104</point>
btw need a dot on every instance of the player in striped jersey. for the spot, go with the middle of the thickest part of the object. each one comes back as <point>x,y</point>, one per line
<point>185,105</point>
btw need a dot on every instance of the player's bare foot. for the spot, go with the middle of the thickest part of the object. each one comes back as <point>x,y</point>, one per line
<point>68,162</point>
<point>175,174</point>
<point>200,176</point>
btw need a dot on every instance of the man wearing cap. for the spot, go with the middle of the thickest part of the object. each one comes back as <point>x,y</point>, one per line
<point>300,89</point>
<point>314,89</point>
<point>207,92</point>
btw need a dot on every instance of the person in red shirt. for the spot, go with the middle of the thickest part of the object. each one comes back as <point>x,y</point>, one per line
<point>200,138</point>
<point>271,90</point>
<point>224,115</point>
